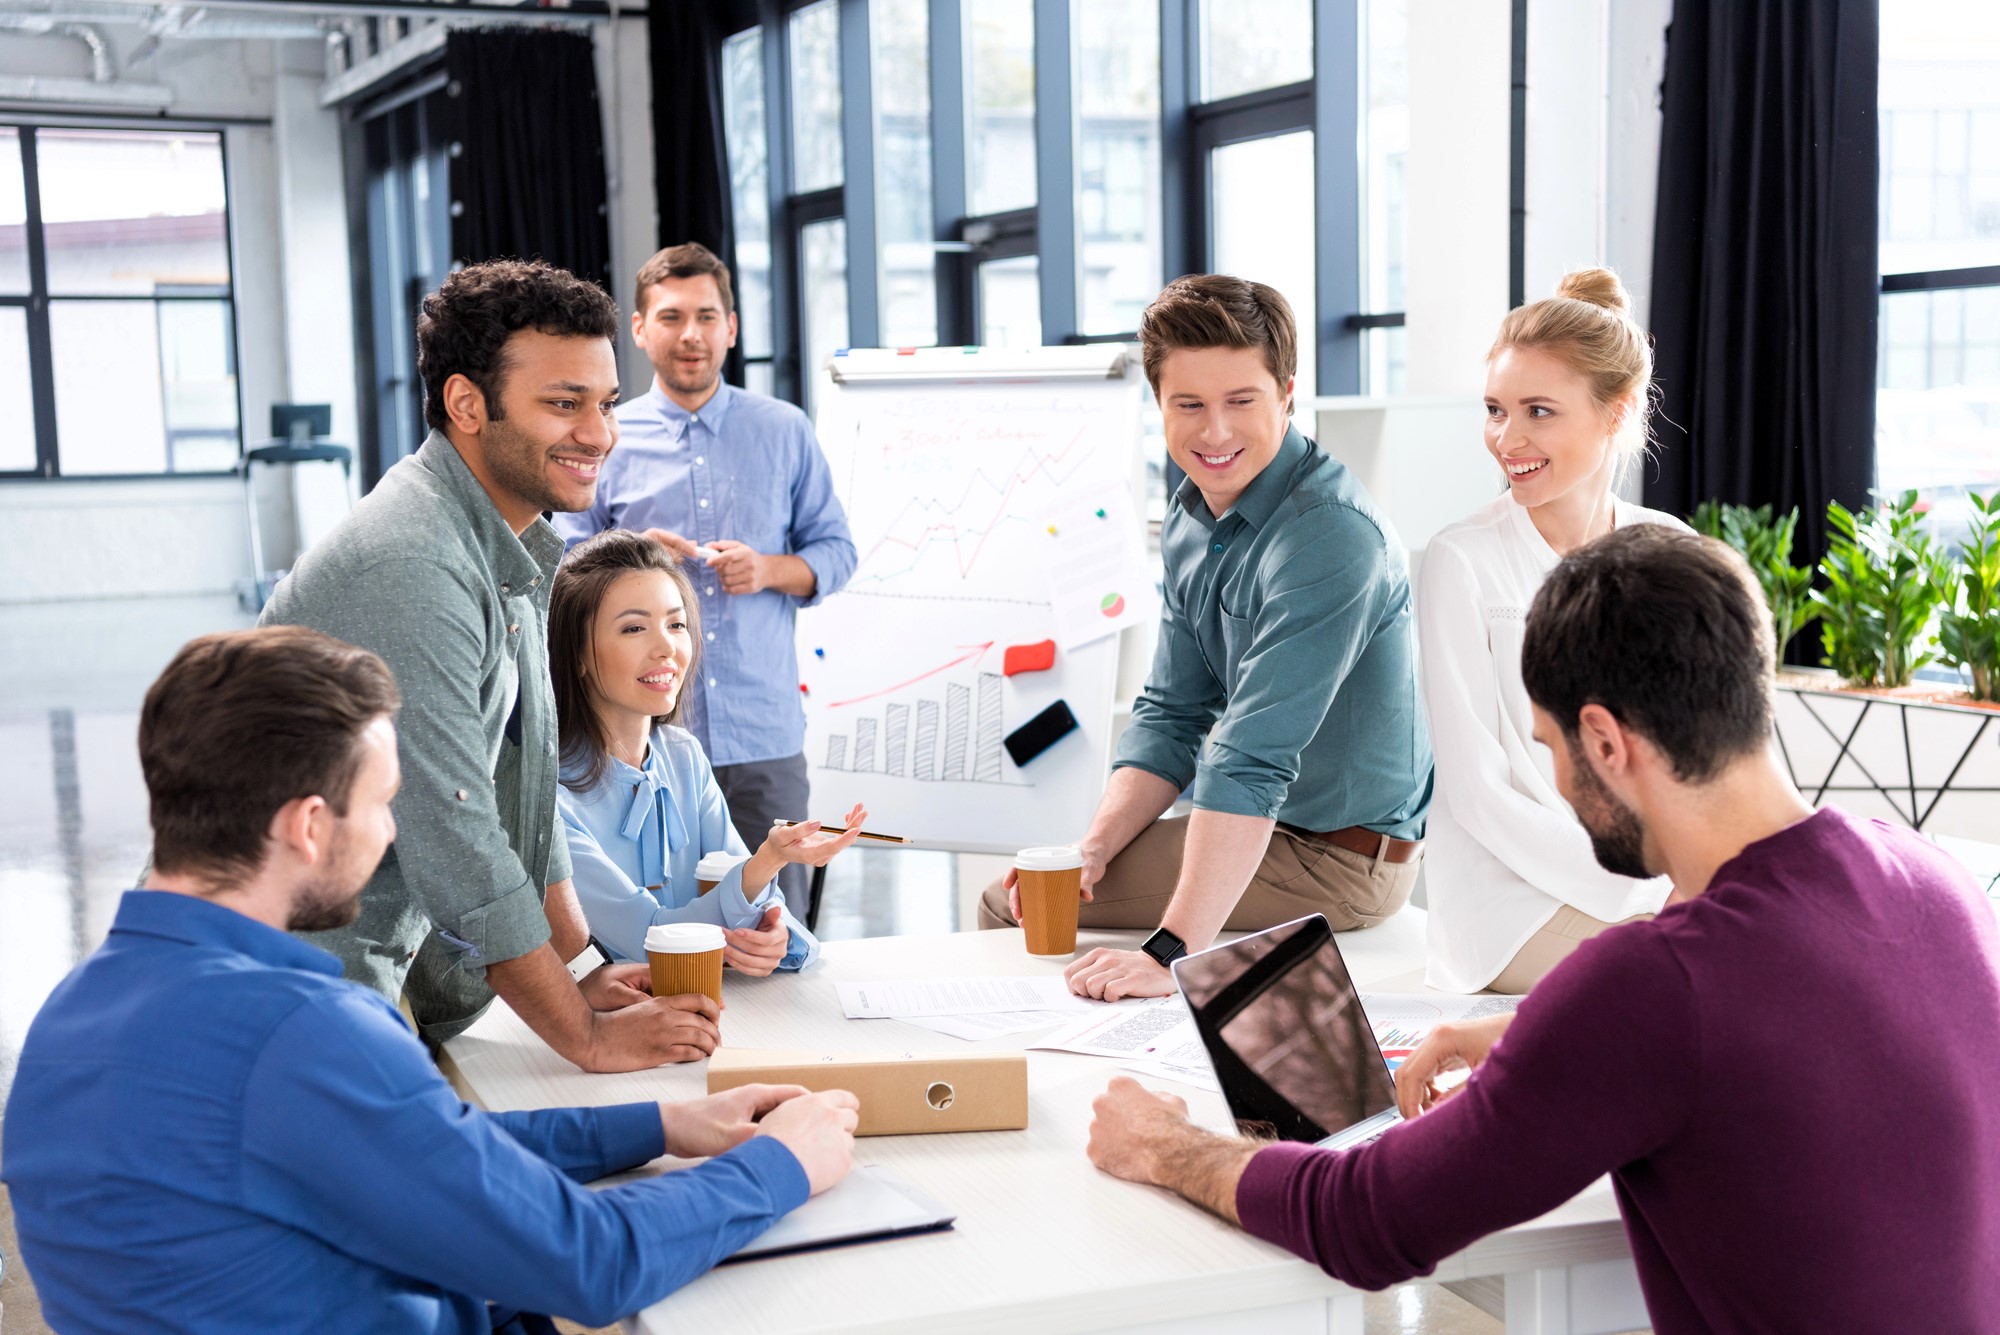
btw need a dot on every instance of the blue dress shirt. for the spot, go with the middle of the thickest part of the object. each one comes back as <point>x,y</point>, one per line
<point>634,840</point>
<point>748,468</point>
<point>210,1131</point>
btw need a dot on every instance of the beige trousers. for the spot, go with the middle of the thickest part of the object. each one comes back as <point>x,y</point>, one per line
<point>1300,875</point>
<point>1549,947</point>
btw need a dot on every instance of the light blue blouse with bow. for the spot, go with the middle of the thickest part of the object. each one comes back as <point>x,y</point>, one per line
<point>634,840</point>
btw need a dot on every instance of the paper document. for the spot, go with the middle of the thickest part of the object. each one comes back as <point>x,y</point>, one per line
<point>1094,553</point>
<point>1156,1038</point>
<point>901,999</point>
<point>1401,1021</point>
<point>993,1024</point>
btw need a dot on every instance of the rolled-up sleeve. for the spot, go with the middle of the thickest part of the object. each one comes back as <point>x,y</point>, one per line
<point>1319,602</point>
<point>1179,703</point>
<point>451,848</point>
<point>819,535</point>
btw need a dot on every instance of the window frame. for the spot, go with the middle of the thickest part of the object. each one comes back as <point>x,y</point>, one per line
<point>1330,104</point>
<point>36,300</point>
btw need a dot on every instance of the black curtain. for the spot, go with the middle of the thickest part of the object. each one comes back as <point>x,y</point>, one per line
<point>690,160</point>
<point>527,138</point>
<point>1765,286</point>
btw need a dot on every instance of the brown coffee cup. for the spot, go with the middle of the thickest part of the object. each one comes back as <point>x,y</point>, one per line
<point>686,957</point>
<point>708,873</point>
<point>1051,881</point>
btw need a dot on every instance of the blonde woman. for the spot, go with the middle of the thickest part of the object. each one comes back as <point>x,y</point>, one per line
<point>1514,886</point>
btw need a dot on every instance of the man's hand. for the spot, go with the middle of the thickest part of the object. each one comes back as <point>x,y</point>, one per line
<point>655,1032</point>
<point>1449,1047</point>
<point>1093,871</point>
<point>757,950</point>
<point>741,568</point>
<point>1146,1137</point>
<point>1132,1126</point>
<point>1113,975</point>
<point>703,1128</point>
<point>682,547</point>
<point>819,1131</point>
<point>613,987</point>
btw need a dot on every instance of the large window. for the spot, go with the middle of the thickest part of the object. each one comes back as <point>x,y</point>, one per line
<point>117,319</point>
<point>1938,369</point>
<point>1010,172</point>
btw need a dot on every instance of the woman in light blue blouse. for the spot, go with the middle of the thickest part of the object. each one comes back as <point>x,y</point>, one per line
<point>638,801</point>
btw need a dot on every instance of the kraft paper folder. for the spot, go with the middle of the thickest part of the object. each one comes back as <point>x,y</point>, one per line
<point>901,1094</point>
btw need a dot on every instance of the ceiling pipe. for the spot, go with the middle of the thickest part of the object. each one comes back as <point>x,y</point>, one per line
<point>44,25</point>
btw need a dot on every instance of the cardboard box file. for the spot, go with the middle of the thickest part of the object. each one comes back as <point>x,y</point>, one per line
<point>901,1094</point>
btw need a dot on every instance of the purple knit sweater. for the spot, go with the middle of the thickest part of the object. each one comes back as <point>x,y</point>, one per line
<point>1794,1081</point>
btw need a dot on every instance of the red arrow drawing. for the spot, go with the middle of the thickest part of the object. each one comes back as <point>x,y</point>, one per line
<point>974,652</point>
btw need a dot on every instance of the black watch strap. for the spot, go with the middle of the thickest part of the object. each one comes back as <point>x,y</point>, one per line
<point>1164,947</point>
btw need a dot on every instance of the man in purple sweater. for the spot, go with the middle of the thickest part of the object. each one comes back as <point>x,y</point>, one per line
<point>1792,1073</point>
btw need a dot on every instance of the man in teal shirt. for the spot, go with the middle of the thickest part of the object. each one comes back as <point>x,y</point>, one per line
<point>1284,687</point>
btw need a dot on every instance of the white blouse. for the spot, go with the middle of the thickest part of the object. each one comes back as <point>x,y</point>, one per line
<point>1503,850</point>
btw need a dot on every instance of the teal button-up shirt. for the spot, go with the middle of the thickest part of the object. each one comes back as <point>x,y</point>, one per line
<point>427,574</point>
<point>1287,645</point>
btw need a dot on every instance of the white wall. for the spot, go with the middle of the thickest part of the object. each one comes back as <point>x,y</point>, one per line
<point>624,83</point>
<point>1458,191</point>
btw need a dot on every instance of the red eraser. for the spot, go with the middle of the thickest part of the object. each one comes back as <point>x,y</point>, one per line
<point>1029,658</point>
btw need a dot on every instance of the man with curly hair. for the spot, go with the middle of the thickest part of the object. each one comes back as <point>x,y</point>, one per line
<point>444,571</point>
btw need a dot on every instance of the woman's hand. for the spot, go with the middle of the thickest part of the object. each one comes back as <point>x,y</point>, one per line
<point>802,843</point>
<point>757,950</point>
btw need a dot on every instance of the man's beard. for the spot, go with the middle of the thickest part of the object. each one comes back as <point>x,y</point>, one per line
<point>696,382</point>
<point>1617,835</point>
<point>334,899</point>
<point>519,465</point>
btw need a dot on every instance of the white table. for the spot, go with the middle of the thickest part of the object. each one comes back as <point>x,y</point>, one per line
<point>1044,1241</point>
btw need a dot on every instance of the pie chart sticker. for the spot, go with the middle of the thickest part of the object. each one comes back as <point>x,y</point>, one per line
<point>1112,605</point>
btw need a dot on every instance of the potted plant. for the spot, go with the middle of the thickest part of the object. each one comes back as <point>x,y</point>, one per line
<point>1969,629</point>
<point>1885,579</point>
<point>1767,548</point>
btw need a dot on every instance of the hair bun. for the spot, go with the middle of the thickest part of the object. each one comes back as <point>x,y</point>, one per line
<point>1599,287</point>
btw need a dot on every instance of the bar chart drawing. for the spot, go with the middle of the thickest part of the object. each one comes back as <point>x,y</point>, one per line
<point>971,744</point>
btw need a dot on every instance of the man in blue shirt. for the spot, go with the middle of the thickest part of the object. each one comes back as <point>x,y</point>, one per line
<point>735,484</point>
<point>1284,689</point>
<point>210,1130</point>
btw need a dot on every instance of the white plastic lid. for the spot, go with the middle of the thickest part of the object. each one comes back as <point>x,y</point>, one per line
<point>715,866</point>
<point>1056,857</point>
<point>683,938</point>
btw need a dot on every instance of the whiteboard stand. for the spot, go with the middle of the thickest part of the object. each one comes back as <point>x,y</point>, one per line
<point>948,463</point>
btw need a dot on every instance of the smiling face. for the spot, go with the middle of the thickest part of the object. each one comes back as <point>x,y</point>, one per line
<point>641,642</point>
<point>1544,429</point>
<point>1225,416</point>
<point>685,333</point>
<point>543,450</point>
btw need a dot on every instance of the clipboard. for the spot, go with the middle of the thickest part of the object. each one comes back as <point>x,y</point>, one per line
<point>870,1204</point>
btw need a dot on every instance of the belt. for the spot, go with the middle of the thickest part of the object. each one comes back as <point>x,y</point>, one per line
<point>1360,839</point>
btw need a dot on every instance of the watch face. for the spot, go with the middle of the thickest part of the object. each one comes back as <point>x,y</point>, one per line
<point>1164,947</point>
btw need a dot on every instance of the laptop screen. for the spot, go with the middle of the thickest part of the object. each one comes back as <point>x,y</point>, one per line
<point>1285,1031</point>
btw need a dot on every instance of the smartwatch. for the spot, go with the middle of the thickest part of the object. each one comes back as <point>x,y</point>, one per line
<point>591,957</point>
<point>1163,947</point>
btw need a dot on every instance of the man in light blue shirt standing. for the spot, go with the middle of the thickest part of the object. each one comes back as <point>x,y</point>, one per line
<point>736,485</point>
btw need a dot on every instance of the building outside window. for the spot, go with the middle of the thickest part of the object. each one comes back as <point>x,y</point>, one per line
<point>117,320</point>
<point>1937,404</point>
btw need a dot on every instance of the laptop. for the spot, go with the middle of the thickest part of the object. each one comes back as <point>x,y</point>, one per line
<point>1291,1046</point>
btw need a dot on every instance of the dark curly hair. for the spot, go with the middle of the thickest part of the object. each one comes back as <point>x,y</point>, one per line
<point>464,326</point>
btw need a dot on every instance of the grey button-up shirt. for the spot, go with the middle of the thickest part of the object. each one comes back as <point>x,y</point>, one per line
<point>427,574</point>
<point>1287,646</point>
